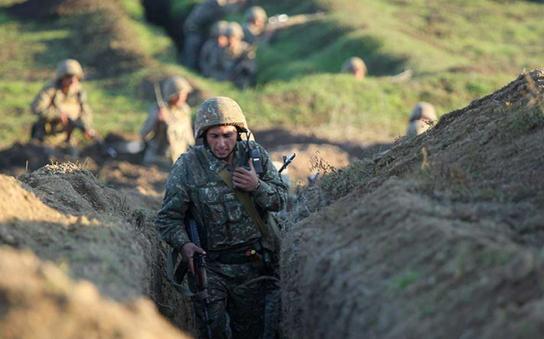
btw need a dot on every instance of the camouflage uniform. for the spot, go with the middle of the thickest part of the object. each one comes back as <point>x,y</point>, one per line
<point>252,33</point>
<point>422,117</point>
<point>238,60</point>
<point>51,102</point>
<point>194,187</point>
<point>174,135</point>
<point>210,56</point>
<point>197,25</point>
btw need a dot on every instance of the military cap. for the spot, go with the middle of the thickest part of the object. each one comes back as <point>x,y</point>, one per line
<point>219,111</point>
<point>235,30</point>
<point>175,85</point>
<point>69,67</point>
<point>423,111</point>
<point>256,13</point>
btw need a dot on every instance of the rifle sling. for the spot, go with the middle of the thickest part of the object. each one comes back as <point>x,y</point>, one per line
<point>248,204</point>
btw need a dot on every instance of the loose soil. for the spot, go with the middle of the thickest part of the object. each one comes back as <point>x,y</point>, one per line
<point>441,236</point>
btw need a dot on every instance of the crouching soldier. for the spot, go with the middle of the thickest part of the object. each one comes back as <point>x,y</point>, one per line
<point>355,66</point>
<point>61,106</point>
<point>229,187</point>
<point>168,129</point>
<point>422,117</point>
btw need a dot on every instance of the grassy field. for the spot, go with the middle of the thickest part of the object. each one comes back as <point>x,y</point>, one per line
<point>458,51</point>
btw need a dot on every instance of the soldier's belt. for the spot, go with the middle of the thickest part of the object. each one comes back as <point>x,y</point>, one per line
<point>242,255</point>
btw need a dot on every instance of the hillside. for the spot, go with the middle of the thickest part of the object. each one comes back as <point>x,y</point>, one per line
<point>442,235</point>
<point>398,237</point>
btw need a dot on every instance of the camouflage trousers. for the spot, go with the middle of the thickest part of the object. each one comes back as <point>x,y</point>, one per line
<point>239,295</point>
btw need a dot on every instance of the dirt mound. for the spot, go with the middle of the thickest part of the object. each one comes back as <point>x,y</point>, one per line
<point>63,214</point>
<point>38,299</point>
<point>101,32</point>
<point>441,235</point>
<point>20,158</point>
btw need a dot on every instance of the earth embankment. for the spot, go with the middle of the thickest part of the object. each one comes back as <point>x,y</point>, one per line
<point>441,236</point>
<point>63,214</point>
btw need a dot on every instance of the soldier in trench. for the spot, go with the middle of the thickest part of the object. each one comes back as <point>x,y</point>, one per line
<point>210,56</point>
<point>231,199</point>
<point>355,66</point>
<point>197,26</point>
<point>422,117</point>
<point>168,129</point>
<point>255,25</point>
<point>61,106</point>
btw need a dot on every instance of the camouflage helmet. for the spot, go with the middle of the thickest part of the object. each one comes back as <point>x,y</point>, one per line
<point>219,111</point>
<point>353,64</point>
<point>255,13</point>
<point>175,85</point>
<point>69,67</point>
<point>423,111</point>
<point>234,30</point>
<point>219,28</point>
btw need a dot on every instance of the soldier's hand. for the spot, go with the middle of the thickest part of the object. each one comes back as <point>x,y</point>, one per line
<point>64,118</point>
<point>188,251</point>
<point>90,134</point>
<point>161,113</point>
<point>246,180</point>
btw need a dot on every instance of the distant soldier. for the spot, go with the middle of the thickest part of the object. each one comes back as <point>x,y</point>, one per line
<point>422,117</point>
<point>355,66</point>
<point>255,26</point>
<point>168,128</point>
<point>238,58</point>
<point>210,56</point>
<point>197,25</point>
<point>61,106</point>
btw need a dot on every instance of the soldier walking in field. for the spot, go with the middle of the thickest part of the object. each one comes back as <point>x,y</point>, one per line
<point>229,187</point>
<point>422,117</point>
<point>61,106</point>
<point>197,26</point>
<point>168,128</point>
<point>355,66</point>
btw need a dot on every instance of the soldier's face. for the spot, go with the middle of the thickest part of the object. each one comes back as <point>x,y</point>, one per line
<point>178,99</point>
<point>222,140</point>
<point>222,41</point>
<point>69,81</point>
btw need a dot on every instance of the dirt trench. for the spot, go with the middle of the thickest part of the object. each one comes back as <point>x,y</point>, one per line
<point>440,236</point>
<point>64,215</point>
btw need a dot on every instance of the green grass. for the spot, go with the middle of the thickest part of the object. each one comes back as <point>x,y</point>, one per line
<point>473,50</point>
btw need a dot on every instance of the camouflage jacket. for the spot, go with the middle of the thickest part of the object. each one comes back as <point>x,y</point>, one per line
<point>51,101</point>
<point>236,61</point>
<point>210,60</point>
<point>175,133</point>
<point>195,187</point>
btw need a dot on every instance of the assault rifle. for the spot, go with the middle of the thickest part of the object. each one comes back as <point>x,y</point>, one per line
<point>77,124</point>
<point>284,21</point>
<point>200,275</point>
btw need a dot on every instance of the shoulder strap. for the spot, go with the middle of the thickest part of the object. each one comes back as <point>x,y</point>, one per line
<point>269,241</point>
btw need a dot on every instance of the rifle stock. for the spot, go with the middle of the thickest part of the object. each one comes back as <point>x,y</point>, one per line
<point>200,274</point>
